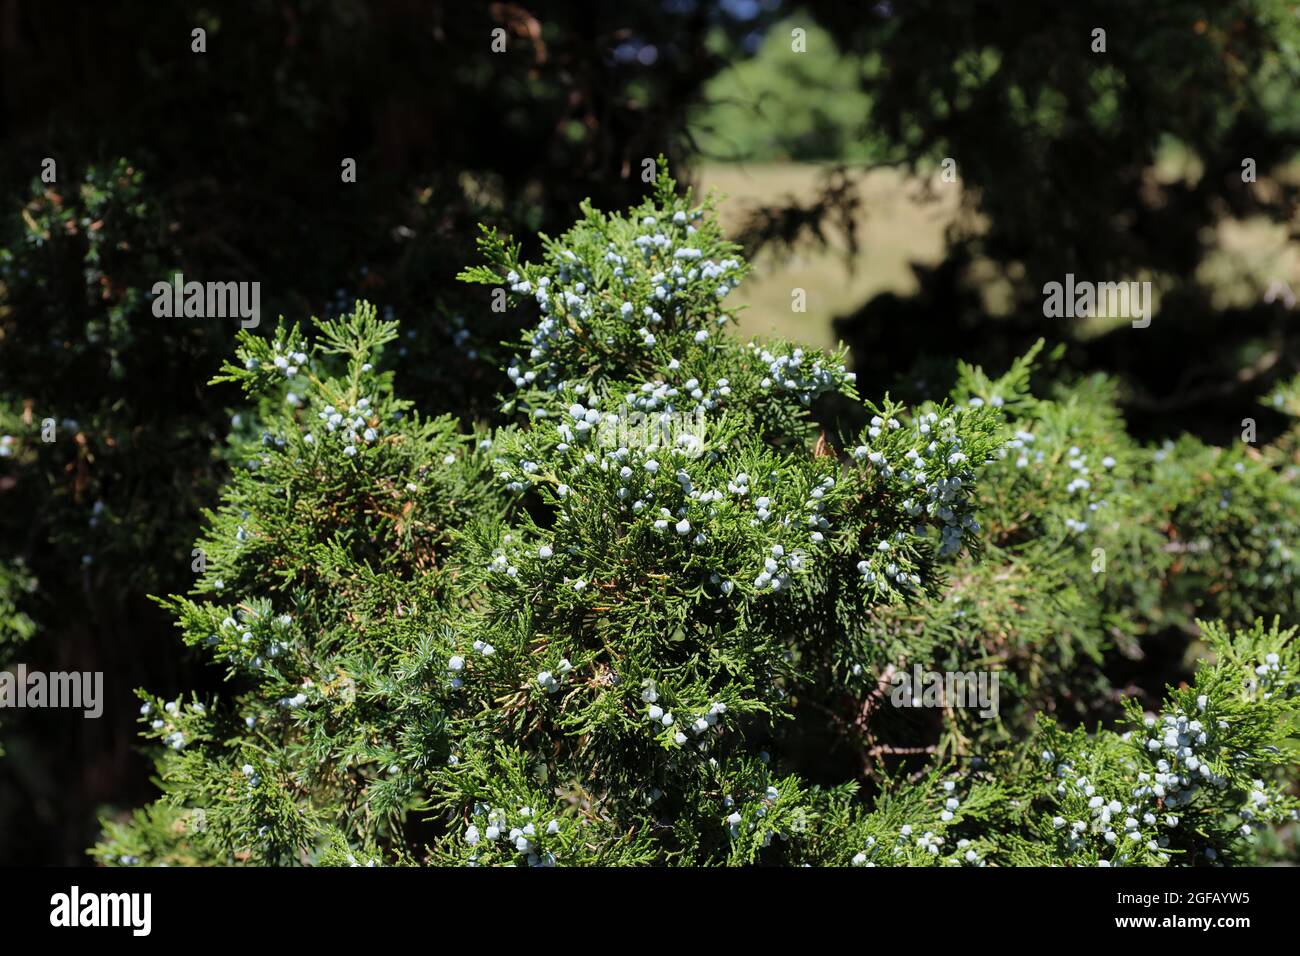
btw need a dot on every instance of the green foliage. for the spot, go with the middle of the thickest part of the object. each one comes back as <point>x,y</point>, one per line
<point>653,616</point>
<point>16,625</point>
<point>80,452</point>
<point>785,103</point>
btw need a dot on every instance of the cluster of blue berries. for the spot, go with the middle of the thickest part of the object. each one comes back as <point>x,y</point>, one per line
<point>699,724</point>
<point>1080,482</point>
<point>735,821</point>
<point>576,296</point>
<point>787,372</point>
<point>175,739</point>
<point>936,481</point>
<point>252,639</point>
<point>536,843</point>
<point>352,424</point>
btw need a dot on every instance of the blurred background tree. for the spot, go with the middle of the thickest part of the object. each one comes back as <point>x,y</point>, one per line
<point>1114,163</point>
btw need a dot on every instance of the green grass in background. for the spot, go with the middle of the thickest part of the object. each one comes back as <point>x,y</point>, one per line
<point>901,221</point>
<point>896,225</point>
